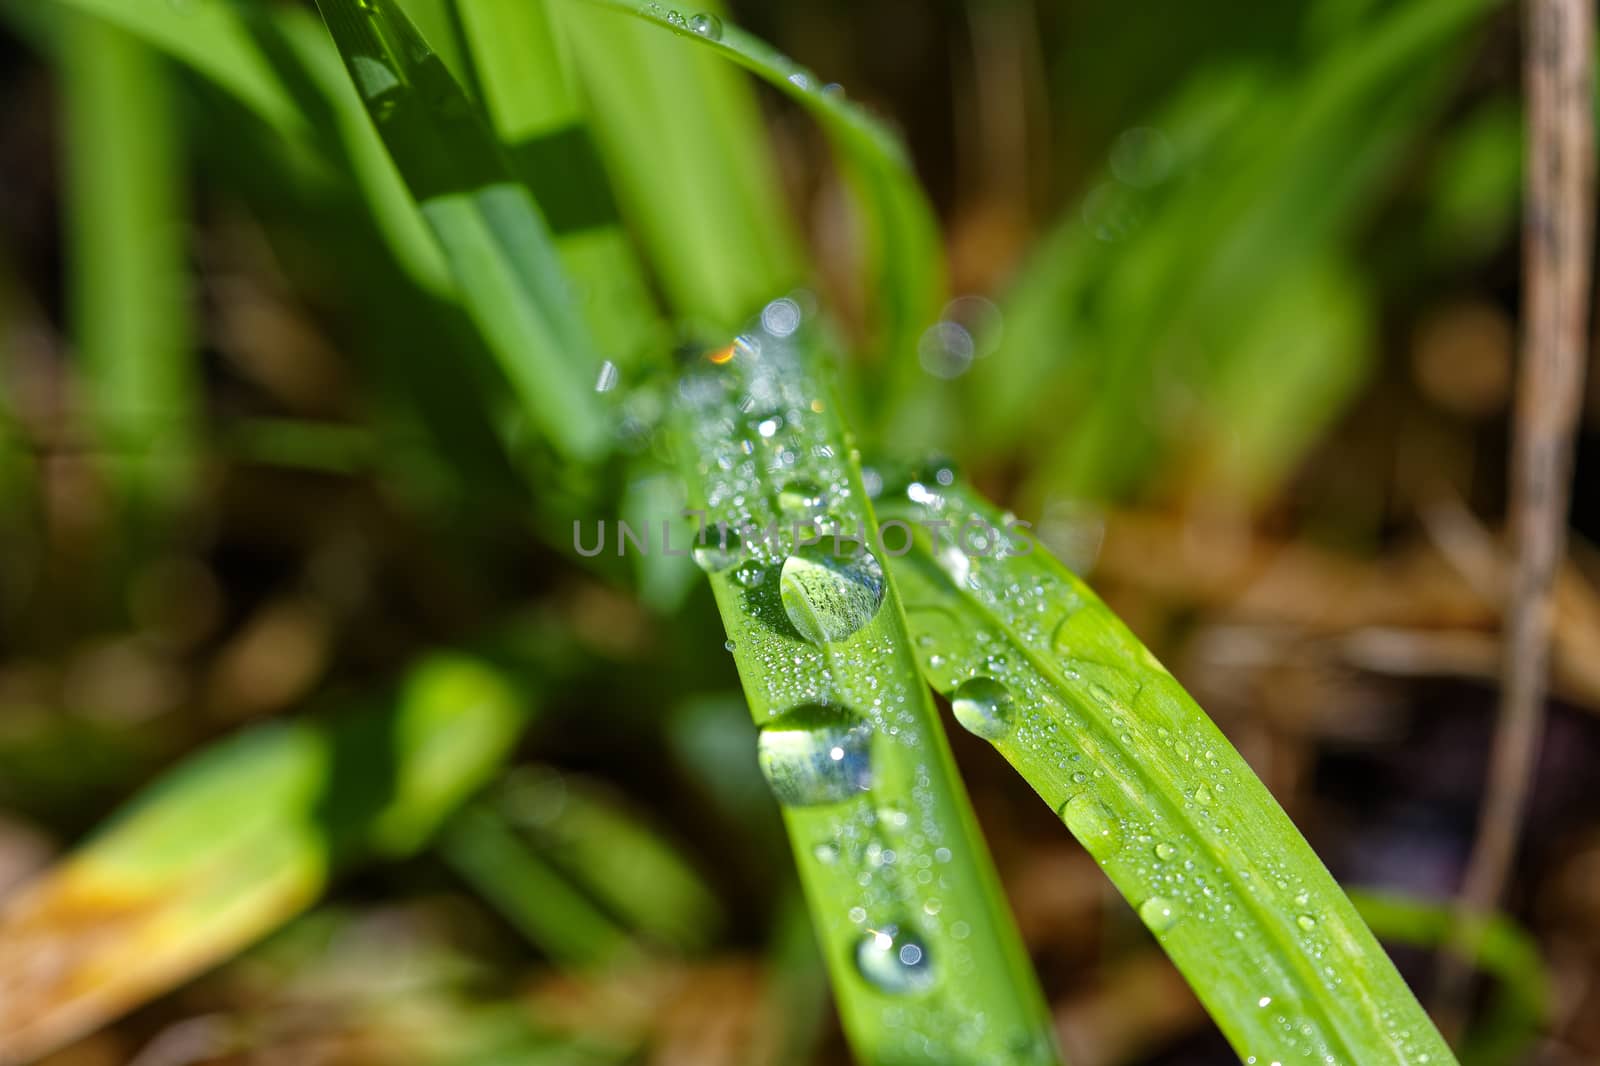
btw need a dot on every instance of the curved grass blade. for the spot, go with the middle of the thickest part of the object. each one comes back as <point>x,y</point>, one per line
<point>908,277</point>
<point>129,268</point>
<point>507,270</point>
<point>209,36</point>
<point>926,963</point>
<point>1512,1021</point>
<point>237,841</point>
<point>1033,662</point>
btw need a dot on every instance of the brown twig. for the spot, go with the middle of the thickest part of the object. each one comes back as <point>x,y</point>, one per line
<point>1557,250</point>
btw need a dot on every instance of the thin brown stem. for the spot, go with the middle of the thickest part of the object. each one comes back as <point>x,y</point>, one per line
<point>1557,256</point>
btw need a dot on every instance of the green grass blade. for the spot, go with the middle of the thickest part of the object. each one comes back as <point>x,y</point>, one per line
<point>209,36</point>
<point>533,101</point>
<point>129,276</point>
<point>684,144</point>
<point>237,841</point>
<point>906,255</point>
<point>1033,662</point>
<point>532,894</point>
<point>1511,1023</point>
<point>925,960</point>
<point>507,270</point>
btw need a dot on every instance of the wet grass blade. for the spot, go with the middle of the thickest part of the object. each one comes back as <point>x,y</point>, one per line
<point>926,962</point>
<point>129,269</point>
<point>508,273</point>
<point>906,255</point>
<point>237,841</point>
<point>1033,662</point>
<point>1511,1023</point>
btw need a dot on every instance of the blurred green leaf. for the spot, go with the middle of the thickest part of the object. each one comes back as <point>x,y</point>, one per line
<point>238,840</point>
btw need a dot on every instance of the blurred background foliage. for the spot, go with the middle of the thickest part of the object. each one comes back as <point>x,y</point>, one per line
<point>1233,324</point>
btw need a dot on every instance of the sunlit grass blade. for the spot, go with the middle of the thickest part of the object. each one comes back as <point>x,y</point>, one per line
<point>509,276</point>
<point>209,36</point>
<point>906,272</point>
<point>1512,1021</point>
<point>1032,661</point>
<point>685,147</point>
<point>926,962</point>
<point>129,277</point>
<point>533,100</point>
<point>238,840</point>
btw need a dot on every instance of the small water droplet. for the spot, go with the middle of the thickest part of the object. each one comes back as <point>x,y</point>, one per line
<point>1090,822</point>
<point>1202,795</point>
<point>1165,851</point>
<point>717,548</point>
<point>826,853</point>
<point>895,962</point>
<point>984,706</point>
<point>801,499</point>
<point>608,377</point>
<point>800,80</point>
<point>1306,922</point>
<point>946,350</point>
<point>831,589</point>
<point>816,754</point>
<point>1159,913</point>
<point>676,20</point>
<point>707,25</point>
<point>1264,1001</point>
<point>749,575</point>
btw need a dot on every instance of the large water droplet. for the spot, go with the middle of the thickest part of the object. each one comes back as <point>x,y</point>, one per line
<point>717,548</point>
<point>1091,823</point>
<point>985,707</point>
<point>816,754</point>
<point>894,961</point>
<point>831,589</point>
<point>707,26</point>
<point>1159,913</point>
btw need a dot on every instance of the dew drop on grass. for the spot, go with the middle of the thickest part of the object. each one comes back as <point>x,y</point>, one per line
<point>717,549</point>
<point>1091,823</point>
<point>816,754</point>
<point>1159,913</point>
<point>1165,851</point>
<point>831,589</point>
<point>1306,922</point>
<point>984,706</point>
<point>707,25</point>
<point>894,962</point>
<point>801,499</point>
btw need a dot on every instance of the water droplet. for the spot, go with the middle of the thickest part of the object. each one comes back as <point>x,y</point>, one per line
<point>1306,922</point>
<point>1202,795</point>
<point>800,80</point>
<point>1165,851</point>
<point>984,707</point>
<point>801,499</point>
<point>608,377</point>
<point>1264,1001</point>
<point>895,962</point>
<point>749,575</point>
<point>1090,822</point>
<point>707,26</point>
<point>946,350</point>
<point>826,853</point>
<point>831,589</point>
<point>816,754</point>
<point>676,20</point>
<point>717,548</point>
<point>781,317</point>
<point>1159,913</point>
